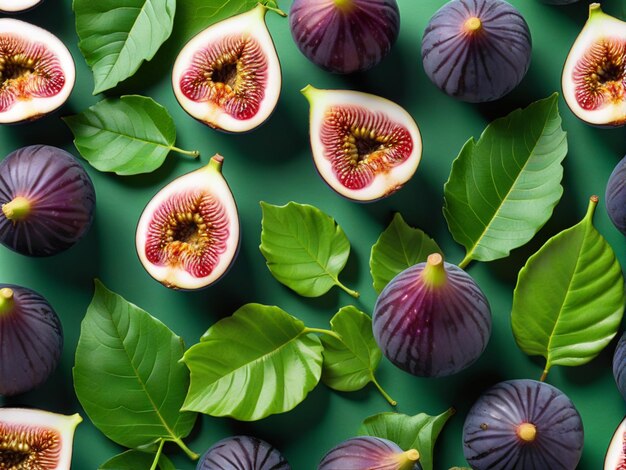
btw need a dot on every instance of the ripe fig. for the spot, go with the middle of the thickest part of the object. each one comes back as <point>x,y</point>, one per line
<point>615,458</point>
<point>616,196</point>
<point>523,424</point>
<point>367,452</point>
<point>432,319</point>
<point>242,453</point>
<point>31,336</point>
<point>619,365</point>
<point>364,147</point>
<point>188,234</point>
<point>594,74</point>
<point>37,71</point>
<point>345,36</point>
<point>476,50</point>
<point>47,201</point>
<point>36,440</point>
<point>17,6</point>
<point>228,76</point>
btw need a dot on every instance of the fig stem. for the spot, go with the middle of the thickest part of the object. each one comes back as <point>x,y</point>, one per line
<point>382,391</point>
<point>353,293</point>
<point>406,460</point>
<point>591,209</point>
<point>527,432</point>
<point>434,273</point>
<point>473,25</point>
<point>17,209</point>
<point>323,332</point>
<point>191,153</point>
<point>544,375</point>
<point>155,464</point>
<point>274,9</point>
<point>6,300</point>
<point>190,453</point>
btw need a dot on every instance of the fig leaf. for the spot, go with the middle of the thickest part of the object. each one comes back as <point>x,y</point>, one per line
<point>399,247</point>
<point>129,135</point>
<point>304,248</point>
<point>418,432</point>
<point>116,36</point>
<point>351,359</point>
<point>258,362</point>
<point>503,188</point>
<point>135,392</point>
<point>136,460</point>
<point>569,298</point>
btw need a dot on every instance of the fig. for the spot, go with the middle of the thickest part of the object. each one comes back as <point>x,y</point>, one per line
<point>364,147</point>
<point>37,71</point>
<point>47,201</point>
<point>368,452</point>
<point>345,36</point>
<point>619,365</point>
<point>228,76</point>
<point>616,196</point>
<point>559,2</point>
<point>594,74</point>
<point>16,6</point>
<point>31,340</point>
<point>432,319</point>
<point>523,424</point>
<point>476,50</point>
<point>242,453</point>
<point>188,234</point>
<point>615,458</point>
<point>36,440</point>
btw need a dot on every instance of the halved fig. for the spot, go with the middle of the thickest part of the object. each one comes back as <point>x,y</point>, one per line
<point>36,440</point>
<point>16,6</point>
<point>31,339</point>
<point>365,147</point>
<point>228,76</point>
<point>594,74</point>
<point>371,453</point>
<point>47,201</point>
<point>615,458</point>
<point>37,71</point>
<point>188,234</point>
<point>242,453</point>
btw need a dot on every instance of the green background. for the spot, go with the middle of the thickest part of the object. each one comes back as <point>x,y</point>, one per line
<point>274,164</point>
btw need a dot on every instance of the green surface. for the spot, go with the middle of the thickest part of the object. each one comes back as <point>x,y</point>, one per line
<point>274,164</point>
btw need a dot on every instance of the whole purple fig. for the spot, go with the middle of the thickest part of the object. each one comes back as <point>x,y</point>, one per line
<point>242,453</point>
<point>31,340</point>
<point>525,425</point>
<point>47,200</point>
<point>616,196</point>
<point>432,319</point>
<point>345,36</point>
<point>619,365</point>
<point>476,50</point>
<point>367,452</point>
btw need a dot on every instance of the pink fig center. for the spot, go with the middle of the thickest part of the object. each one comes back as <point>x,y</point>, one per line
<point>18,209</point>
<point>527,432</point>
<point>434,273</point>
<point>6,301</point>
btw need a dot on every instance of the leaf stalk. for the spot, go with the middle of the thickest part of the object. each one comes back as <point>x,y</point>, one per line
<point>155,464</point>
<point>391,401</point>
<point>191,454</point>
<point>323,332</point>
<point>191,153</point>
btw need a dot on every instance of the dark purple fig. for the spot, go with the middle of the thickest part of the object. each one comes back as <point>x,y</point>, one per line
<point>476,50</point>
<point>525,425</point>
<point>432,319</point>
<point>47,201</point>
<point>31,340</point>
<point>242,453</point>
<point>228,76</point>
<point>37,71</point>
<point>36,440</point>
<point>365,147</point>
<point>367,452</point>
<point>188,234</point>
<point>619,365</point>
<point>345,36</point>
<point>616,196</point>
<point>615,458</point>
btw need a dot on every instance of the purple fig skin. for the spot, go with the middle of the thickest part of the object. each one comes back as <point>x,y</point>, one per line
<point>59,192</point>
<point>242,453</point>
<point>345,36</point>
<point>616,196</point>
<point>476,61</point>
<point>494,440</point>
<point>31,340</point>
<point>368,452</point>
<point>619,365</point>
<point>432,330</point>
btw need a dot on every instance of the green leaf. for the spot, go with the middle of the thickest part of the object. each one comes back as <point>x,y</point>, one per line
<point>503,188</point>
<point>136,460</point>
<point>569,298</point>
<point>351,358</point>
<point>116,36</point>
<point>304,248</point>
<point>409,432</point>
<point>399,247</point>
<point>129,135</point>
<point>127,374</point>
<point>258,362</point>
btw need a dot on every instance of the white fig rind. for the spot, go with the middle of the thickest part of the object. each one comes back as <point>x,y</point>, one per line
<point>248,24</point>
<point>616,453</point>
<point>16,6</point>
<point>33,108</point>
